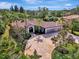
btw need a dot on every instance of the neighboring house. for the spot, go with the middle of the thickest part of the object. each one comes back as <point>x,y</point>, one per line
<point>46,27</point>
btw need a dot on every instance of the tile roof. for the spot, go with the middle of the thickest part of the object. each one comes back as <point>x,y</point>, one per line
<point>33,22</point>
<point>45,24</point>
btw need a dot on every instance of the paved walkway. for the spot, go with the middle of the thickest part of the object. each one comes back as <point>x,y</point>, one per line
<point>42,45</point>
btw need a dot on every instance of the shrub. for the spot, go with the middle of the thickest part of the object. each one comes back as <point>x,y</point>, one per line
<point>76,33</point>
<point>63,50</point>
<point>66,51</point>
<point>20,36</point>
<point>51,18</point>
<point>2,27</point>
<point>75,25</point>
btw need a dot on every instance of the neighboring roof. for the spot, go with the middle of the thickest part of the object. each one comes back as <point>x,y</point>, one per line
<point>71,17</point>
<point>34,22</point>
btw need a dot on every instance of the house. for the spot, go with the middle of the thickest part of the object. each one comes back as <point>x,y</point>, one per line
<point>45,27</point>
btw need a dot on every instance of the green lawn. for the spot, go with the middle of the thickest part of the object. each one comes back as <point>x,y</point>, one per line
<point>76,33</point>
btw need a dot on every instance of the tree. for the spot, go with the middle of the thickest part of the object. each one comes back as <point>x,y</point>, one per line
<point>75,26</point>
<point>11,8</point>
<point>21,9</point>
<point>16,8</point>
<point>42,12</point>
<point>20,35</point>
<point>2,27</point>
<point>39,9</point>
<point>7,45</point>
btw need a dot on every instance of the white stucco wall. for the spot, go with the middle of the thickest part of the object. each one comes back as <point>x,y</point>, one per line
<point>47,30</point>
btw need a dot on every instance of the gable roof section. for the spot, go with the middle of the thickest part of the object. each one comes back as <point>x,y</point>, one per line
<point>33,22</point>
<point>44,24</point>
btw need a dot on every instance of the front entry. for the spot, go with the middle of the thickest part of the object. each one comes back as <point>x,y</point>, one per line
<point>31,29</point>
<point>39,30</point>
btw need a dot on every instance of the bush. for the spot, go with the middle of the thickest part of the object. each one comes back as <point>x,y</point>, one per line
<point>51,18</point>
<point>2,27</point>
<point>75,25</point>
<point>65,51</point>
<point>76,33</point>
<point>20,36</point>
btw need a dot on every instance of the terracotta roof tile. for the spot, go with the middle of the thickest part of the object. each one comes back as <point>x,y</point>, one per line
<point>33,22</point>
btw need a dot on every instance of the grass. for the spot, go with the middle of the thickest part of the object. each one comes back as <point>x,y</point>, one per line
<point>76,33</point>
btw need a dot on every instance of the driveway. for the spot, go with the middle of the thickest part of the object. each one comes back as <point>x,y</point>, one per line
<point>42,45</point>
